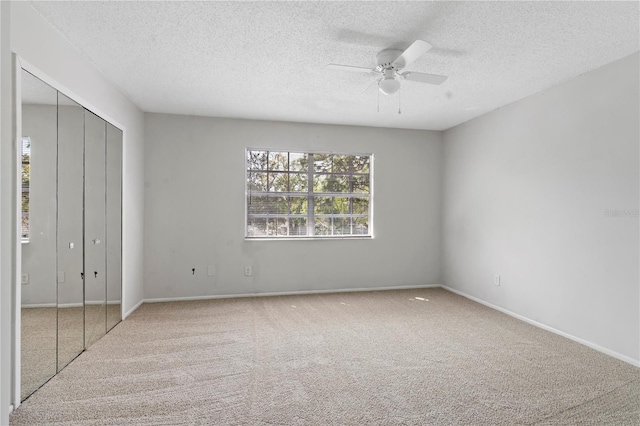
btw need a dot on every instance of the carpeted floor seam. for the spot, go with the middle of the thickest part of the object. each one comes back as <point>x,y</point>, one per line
<point>589,401</point>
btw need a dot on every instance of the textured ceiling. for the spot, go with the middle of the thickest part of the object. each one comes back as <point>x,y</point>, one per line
<point>266,60</point>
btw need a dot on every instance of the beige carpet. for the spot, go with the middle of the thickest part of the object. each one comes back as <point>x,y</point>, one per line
<point>38,348</point>
<point>42,355</point>
<point>70,334</point>
<point>335,359</point>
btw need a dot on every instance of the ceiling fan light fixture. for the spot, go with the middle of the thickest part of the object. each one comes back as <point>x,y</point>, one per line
<point>389,86</point>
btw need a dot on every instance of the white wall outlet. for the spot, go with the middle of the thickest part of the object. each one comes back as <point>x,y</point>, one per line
<point>247,270</point>
<point>496,279</point>
<point>24,279</point>
<point>61,277</point>
<point>211,271</point>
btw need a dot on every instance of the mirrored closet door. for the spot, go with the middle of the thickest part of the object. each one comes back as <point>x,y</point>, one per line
<point>71,230</point>
<point>114,225</point>
<point>94,228</point>
<point>39,211</point>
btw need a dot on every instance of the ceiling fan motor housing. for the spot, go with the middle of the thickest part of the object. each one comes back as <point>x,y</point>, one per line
<point>384,59</point>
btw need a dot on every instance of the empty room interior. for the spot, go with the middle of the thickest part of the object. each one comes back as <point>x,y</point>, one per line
<point>320,213</point>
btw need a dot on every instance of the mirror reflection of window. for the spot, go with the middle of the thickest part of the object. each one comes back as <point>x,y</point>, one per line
<point>26,172</point>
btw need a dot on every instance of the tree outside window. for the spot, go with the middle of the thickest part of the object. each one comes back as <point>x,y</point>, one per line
<point>26,173</point>
<point>304,194</point>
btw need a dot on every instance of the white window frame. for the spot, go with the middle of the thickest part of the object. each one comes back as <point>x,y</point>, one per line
<point>310,196</point>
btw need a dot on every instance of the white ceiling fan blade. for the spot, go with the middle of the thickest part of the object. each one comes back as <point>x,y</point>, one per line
<point>375,83</point>
<point>424,78</point>
<point>349,68</point>
<point>413,52</point>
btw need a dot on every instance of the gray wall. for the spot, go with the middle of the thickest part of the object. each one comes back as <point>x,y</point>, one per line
<point>194,204</point>
<point>42,124</point>
<point>526,190</point>
<point>39,122</point>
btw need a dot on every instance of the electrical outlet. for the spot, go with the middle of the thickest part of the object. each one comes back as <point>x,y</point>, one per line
<point>24,279</point>
<point>496,279</point>
<point>211,271</point>
<point>247,270</point>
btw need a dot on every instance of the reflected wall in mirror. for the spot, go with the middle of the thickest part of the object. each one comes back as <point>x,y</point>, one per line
<point>71,231</point>
<point>38,321</point>
<point>70,205</point>
<point>94,227</point>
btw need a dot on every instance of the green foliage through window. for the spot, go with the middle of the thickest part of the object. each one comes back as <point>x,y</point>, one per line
<point>303,194</point>
<point>26,176</point>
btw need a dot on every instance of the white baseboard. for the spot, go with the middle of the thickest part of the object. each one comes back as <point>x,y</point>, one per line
<point>286,293</point>
<point>70,305</point>
<point>592,345</point>
<point>101,302</point>
<point>40,305</point>
<point>130,311</point>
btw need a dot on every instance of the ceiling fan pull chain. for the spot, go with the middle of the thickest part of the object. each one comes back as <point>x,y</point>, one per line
<point>399,101</point>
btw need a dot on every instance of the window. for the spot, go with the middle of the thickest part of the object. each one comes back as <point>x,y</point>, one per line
<point>26,173</point>
<point>308,195</point>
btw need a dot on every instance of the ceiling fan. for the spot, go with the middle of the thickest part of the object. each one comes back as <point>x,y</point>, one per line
<point>390,64</point>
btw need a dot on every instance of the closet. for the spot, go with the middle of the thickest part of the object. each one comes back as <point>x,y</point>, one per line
<point>71,257</point>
